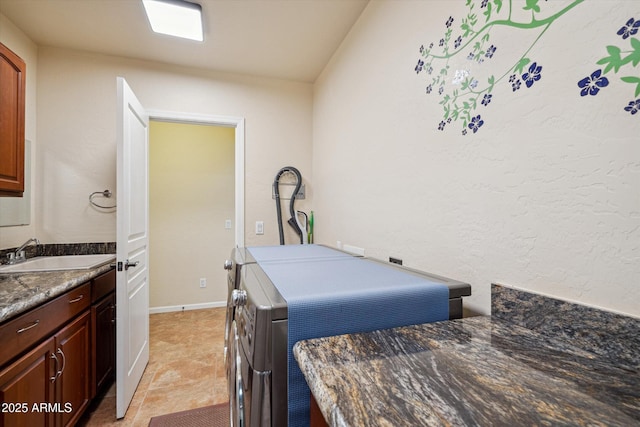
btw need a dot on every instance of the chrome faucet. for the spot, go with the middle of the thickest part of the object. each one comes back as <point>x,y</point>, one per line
<point>19,255</point>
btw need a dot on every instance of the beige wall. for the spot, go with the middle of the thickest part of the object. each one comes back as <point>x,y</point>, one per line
<point>19,43</point>
<point>76,155</point>
<point>191,194</point>
<point>76,119</point>
<point>545,196</point>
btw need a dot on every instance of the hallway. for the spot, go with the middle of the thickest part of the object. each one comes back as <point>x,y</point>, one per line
<point>185,371</point>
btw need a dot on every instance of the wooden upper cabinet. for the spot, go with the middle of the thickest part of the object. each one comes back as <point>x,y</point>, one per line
<point>12,106</point>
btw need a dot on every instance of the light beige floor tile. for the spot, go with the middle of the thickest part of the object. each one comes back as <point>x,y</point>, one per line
<point>185,371</point>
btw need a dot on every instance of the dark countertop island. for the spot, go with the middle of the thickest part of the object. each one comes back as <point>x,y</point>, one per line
<point>535,361</point>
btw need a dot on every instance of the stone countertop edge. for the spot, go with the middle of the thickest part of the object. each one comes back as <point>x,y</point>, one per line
<point>465,372</point>
<point>322,394</point>
<point>21,292</point>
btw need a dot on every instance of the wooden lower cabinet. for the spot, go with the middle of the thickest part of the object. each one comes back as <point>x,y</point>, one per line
<point>55,357</point>
<point>73,351</point>
<point>49,386</point>
<point>26,385</point>
<point>103,343</point>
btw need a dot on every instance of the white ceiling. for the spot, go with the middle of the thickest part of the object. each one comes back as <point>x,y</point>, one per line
<point>289,39</point>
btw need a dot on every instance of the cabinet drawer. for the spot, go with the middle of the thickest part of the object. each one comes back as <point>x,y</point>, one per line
<point>19,334</point>
<point>103,285</point>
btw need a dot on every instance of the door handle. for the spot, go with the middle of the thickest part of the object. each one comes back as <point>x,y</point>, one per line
<point>55,374</point>
<point>128,264</point>
<point>64,362</point>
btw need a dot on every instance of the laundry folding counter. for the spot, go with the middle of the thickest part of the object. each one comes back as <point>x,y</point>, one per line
<point>282,301</point>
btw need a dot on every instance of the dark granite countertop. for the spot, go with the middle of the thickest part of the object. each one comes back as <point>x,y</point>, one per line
<point>20,292</point>
<point>482,371</point>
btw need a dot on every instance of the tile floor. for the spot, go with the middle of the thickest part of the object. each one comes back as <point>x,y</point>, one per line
<point>185,371</point>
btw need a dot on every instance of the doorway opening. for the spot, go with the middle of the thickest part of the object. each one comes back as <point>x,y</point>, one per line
<point>196,207</point>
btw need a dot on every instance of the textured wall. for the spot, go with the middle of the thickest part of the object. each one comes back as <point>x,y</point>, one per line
<point>545,194</point>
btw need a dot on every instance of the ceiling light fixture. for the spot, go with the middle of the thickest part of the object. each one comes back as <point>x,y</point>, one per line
<point>177,18</point>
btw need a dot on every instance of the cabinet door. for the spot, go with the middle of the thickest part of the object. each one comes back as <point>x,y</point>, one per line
<point>103,342</point>
<point>72,347</point>
<point>27,388</point>
<point>12,87</point>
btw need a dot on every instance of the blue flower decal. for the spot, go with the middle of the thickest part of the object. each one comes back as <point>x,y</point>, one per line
<point>490,51</point>
<point>419,66</point>
<point>475,124</point>
<point>515,85</point>
<point>591,85</point>
<point>633,107</point>
<point>458,42</point>
<point>629,29</point>
<point>486,99</point>
<point>441,125</point>
<point>533,75</point>
<point>449,21</point>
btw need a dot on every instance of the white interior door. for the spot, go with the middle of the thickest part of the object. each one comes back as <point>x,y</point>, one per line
<point>132,284</point>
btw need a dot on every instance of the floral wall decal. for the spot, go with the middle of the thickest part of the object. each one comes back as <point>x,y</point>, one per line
<point>617,59</point>
<point>460,88</point>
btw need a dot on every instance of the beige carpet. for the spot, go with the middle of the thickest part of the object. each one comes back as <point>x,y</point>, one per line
<point>208,416</point>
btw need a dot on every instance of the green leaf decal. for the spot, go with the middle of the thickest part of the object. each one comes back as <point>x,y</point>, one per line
<point>519,68</point>
<point>498,4</point>
<point>487,12</point>
<point>634,56</point>
<point>632,79</point>
<point>614,60</point>
<point>532,5</point>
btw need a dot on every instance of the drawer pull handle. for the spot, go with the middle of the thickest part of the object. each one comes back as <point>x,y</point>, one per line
<point>53,378</point>
<point>26,328</point>
<point>64,362</point>
<point>76,299</point>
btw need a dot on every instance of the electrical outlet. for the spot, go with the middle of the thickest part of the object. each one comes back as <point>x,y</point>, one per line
<point>203,282</point>
<point>393,260</point>
<point>259,227</point>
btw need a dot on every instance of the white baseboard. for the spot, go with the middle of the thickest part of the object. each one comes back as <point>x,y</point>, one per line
<point>171,308</point>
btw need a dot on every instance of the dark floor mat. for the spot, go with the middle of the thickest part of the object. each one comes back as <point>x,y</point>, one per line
<point>208,416</point>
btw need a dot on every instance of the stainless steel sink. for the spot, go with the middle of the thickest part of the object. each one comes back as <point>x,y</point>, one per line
<point>57,263</point>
